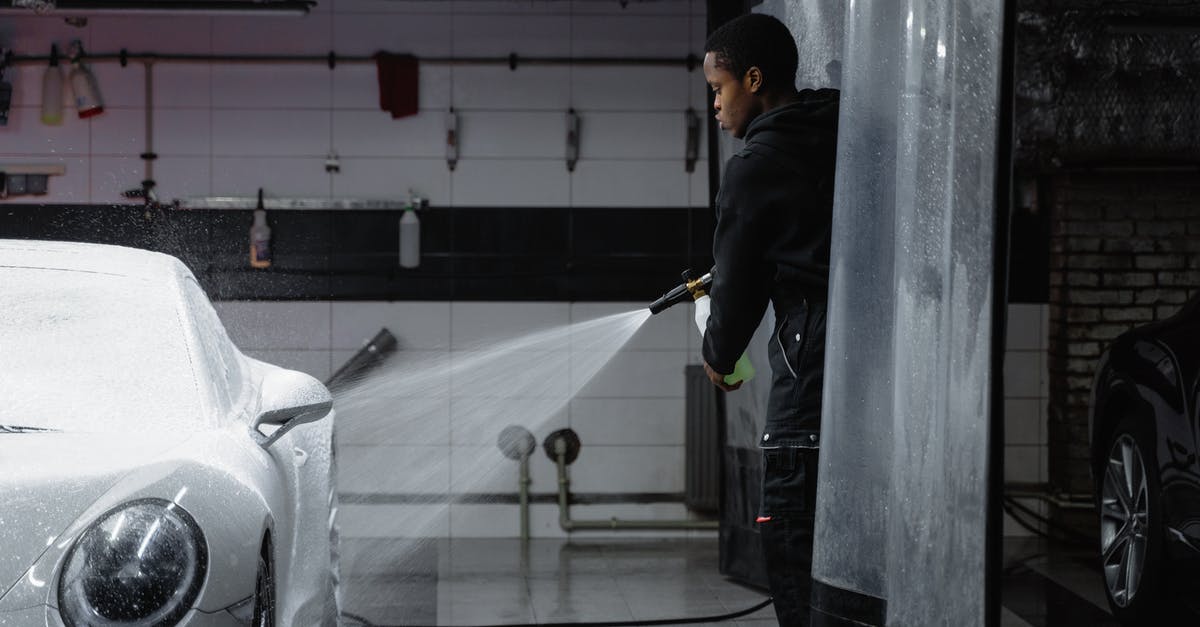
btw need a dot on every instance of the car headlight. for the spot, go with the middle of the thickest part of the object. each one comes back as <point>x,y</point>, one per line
<point>141,563</point>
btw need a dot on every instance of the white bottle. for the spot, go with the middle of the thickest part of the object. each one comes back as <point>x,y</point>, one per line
<point>83,86</point>
<point>260,237</point>
<point>743,370</point>
<point>52,91</point>
<point>410,238</point>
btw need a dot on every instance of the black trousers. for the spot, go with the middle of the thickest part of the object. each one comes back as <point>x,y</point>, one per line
<point>789,445</point>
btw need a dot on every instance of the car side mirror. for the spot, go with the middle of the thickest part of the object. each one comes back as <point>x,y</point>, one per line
<point>288,399</point>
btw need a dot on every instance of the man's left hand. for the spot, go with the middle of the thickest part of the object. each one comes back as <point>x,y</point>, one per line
<point>718,379</point>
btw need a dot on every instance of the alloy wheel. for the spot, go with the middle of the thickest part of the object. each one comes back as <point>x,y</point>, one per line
<point>1124,520</point>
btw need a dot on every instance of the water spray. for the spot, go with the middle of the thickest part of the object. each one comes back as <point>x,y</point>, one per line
<point>697,290</point>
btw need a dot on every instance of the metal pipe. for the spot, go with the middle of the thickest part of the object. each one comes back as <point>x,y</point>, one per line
<point>523,497</point>
<point>613,524</point>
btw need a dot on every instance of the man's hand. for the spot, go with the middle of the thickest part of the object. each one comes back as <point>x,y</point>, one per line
<point>718,379</point>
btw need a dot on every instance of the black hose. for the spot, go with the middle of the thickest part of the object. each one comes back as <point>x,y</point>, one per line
<point>660,621</point>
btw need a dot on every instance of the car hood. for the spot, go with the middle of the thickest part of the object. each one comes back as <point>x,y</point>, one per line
<point>48,480</point>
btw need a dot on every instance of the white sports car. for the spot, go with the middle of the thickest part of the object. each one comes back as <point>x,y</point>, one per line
<point>150,473</point>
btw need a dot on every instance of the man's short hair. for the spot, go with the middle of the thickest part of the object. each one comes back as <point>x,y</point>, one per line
<point>756,40</point>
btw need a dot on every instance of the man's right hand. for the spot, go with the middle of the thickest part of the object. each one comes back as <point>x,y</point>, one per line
<point>718,379</point>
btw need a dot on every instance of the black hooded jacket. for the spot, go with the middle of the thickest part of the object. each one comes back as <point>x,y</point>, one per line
<point>774,212</point>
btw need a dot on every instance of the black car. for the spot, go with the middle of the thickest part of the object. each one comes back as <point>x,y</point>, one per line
<point>1145,433</point>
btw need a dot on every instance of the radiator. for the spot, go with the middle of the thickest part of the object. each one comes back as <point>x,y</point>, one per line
<point>702,442</point>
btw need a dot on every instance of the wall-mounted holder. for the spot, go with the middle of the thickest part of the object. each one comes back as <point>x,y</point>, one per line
<point>572,139</point>
<point>451,139</point>
<point>28,179</point>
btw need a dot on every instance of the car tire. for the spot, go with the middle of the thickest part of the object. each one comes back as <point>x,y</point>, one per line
<point>264,589</point>
<point>1131,528</point>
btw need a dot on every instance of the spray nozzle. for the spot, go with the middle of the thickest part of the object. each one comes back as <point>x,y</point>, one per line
<point>690,289</point>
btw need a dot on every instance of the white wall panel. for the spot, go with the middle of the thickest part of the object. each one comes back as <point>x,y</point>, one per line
<point>113,175</point>
<point>394,521</point>
<point>415,7</point>
<point>416,325</point>
<point>26,81</point>
<point>638,374</point>
<point>511,183</point>
<point>698,185</point>
<point>366,34</point>
<point>183,85</point>
<point>512,134</point>
<point>279,176</point>
<point>263,34</point>
<point>630,9</point>
<point>392,178</point>
<point>376,134</point>
<point>276,325</point>
<point>480,420</point>
<point>408,421</point>
<point>254,132</point>
<point>311,362</point>
<point>118,86</point>
<point>664,331</point>
<point>480,325</point>
<point>493,35</point>
<point>628,469</point>
<point>245,86</point>
<point>634,135</point>
<point>33,34</point>
<point>603,88</point>
<point>393,469</point>
<point>644,36</point>
<point>183,177</point>
<point>187,34</point>
<point>536,88</point>
<point>118,132</point>
<point>183,132</point>
<point>26,135</point>
<point>628,421</point>
<point>630,183</point>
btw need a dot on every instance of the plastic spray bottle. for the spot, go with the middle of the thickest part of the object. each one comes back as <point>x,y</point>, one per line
<point>743,370</point>
<point>260,237</point>
<point>410,233</point>
<point>52,91</point>
<point>83,85</point>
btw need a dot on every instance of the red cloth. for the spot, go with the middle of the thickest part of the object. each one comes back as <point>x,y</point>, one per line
<point>398,80</point>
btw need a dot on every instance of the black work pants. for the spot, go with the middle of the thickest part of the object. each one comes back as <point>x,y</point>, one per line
<point>789,444</point>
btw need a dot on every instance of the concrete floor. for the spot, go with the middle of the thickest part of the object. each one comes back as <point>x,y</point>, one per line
<point>488,582</point>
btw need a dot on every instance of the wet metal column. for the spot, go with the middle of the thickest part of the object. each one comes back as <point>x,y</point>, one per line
<point>904,457</point>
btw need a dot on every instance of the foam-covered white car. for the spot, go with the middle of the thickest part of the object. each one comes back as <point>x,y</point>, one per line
<point>150,473</point>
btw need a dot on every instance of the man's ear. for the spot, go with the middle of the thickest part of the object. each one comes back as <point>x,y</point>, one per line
<point>753,81</point>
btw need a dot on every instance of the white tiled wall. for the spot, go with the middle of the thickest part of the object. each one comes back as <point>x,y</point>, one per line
<point>1025,397</point>
<point>439,437</point>
<point>228,129</point>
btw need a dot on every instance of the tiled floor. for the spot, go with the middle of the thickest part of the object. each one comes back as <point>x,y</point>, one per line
<point>487,582</point>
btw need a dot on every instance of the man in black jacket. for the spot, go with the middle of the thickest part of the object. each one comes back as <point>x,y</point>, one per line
<point>774,210</point>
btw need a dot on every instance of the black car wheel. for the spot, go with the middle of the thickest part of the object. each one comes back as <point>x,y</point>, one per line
<point>264,590</point>
<point>1131,534</point>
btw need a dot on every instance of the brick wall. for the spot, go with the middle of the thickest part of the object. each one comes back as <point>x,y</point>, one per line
<point>1124,251</point>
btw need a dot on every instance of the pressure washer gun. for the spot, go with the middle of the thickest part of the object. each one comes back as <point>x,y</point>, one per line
<point>697,290</point>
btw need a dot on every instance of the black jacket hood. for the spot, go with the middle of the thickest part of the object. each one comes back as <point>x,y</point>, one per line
<point>805,127</point>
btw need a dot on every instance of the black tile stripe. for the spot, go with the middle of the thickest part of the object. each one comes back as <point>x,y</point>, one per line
<point>468,253</point>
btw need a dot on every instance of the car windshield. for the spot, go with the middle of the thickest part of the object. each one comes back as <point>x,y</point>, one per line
<point>84,351</point>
